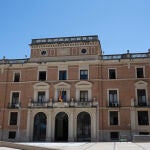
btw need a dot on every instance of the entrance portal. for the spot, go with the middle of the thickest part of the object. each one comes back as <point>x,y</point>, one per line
<point>61,127</point>
<point>39,130</point>
<point>84,127</point>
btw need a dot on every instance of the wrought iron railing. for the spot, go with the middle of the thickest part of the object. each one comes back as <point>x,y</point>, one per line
<point>113,104</point>
<point>36,103</point>
<point>69,103</point>
<point>14,105</point>
<point>141,104</point>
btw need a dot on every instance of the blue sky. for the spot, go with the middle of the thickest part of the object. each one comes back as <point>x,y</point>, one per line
<point>120,24</point>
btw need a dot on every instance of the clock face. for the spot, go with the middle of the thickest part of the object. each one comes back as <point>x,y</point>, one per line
<point>43,52</point>
<point>83,51</point>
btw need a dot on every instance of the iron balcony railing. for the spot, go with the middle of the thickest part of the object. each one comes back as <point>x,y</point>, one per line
<point>14,105</point>
<point>113,104</point>
<point>141,104</point>
<point>56,103</point>
<point>37,103</point>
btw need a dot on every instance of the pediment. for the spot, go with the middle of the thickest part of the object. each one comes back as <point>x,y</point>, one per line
<point>62,85</point>
<point>141,84</point>
<point>41,84</point>
<point>83,84</point>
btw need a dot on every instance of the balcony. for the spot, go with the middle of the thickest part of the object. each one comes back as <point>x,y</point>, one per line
<point>38,104</point>
<point>14,105</point>
<point>113,104</point>
<point>83,104</point>
<point>141,104</point>
<point>58,104</point>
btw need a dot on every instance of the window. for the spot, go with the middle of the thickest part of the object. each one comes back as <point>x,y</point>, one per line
<point>13,118</point>
<point>41,97</point>
<point>83,74</point>
<point>15,99</point>
<point>143,133</point>
<point>114,135</point>
<point>83,95</point>
<point>112,73</point>
<point>113,117</point>
<point>62,75</point>
<point>141,95</point>
<point>113,99</point>
<point>83,51</point>
<point>139,72</point>
<point>62,96</point>
<point>42,75</point>
<point>43,52</point>
<point>17,77</point>
<point>12,135</point>
<point>143,118</point>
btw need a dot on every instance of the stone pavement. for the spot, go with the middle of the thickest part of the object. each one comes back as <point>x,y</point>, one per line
<point>89,146</point>
<point>108,146</point>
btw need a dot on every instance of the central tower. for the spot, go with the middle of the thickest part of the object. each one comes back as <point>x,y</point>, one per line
<point>69,48</point>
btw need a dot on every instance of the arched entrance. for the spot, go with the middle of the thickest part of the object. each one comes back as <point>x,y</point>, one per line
<point>61,127</point>
<point>39,128</point>
<point>83,127</point>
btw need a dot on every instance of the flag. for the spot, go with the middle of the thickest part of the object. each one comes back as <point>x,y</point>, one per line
<point>60,96</point>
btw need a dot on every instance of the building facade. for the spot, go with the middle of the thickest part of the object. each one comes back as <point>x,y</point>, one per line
<point>69,91</point>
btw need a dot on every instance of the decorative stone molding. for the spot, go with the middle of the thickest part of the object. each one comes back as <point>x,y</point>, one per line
<point>62,86</point>
<point>141,84</point>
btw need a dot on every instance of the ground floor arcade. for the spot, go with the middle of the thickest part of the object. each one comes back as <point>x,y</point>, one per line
<point>67,124</point>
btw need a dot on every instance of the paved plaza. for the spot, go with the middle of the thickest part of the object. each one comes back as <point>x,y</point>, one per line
<point>90,146</point>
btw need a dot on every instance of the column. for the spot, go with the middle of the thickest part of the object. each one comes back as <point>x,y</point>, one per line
<point>93,126</point>
<point>49,127</point>
<point>71,127</point>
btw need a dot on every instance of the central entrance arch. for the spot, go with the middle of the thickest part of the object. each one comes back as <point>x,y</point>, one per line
<point>39,130</point>
<point>83,127</point>
<point>61,127</point>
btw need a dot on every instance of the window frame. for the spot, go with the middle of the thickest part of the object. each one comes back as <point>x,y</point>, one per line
<point>62,92</point>
<point>41,87</point>
<point>136,72</point>
<point>109,122</point>
<point>115,70</point>
<point>40,71</point>
<point>138,121</point>
<point>84,74</point>
<point>13,124</point>
<point>138,97</point>
<point>84,99</point>
<point>144,133</point>
<point>114,139</point>
<point>14,76</point>
<point>108,90</point>
<point>11,98</point>
<point>63,70</point>
<point>12,132</point>
<point>45,52</point>
<point>41,100</point>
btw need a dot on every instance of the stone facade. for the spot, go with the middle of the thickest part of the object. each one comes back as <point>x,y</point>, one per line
<point>68,91</point>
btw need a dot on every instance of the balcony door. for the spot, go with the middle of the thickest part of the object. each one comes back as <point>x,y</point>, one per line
<point>141,94</point>
<point>62,96</point>
<point>39,131</point>
<point>61,127</point>
<point>83,127</point>
<point>83,96</point>
<point>113,98</point>
<point>41,97</point>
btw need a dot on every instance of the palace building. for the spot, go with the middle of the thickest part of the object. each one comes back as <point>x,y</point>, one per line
<point>68,90</point>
